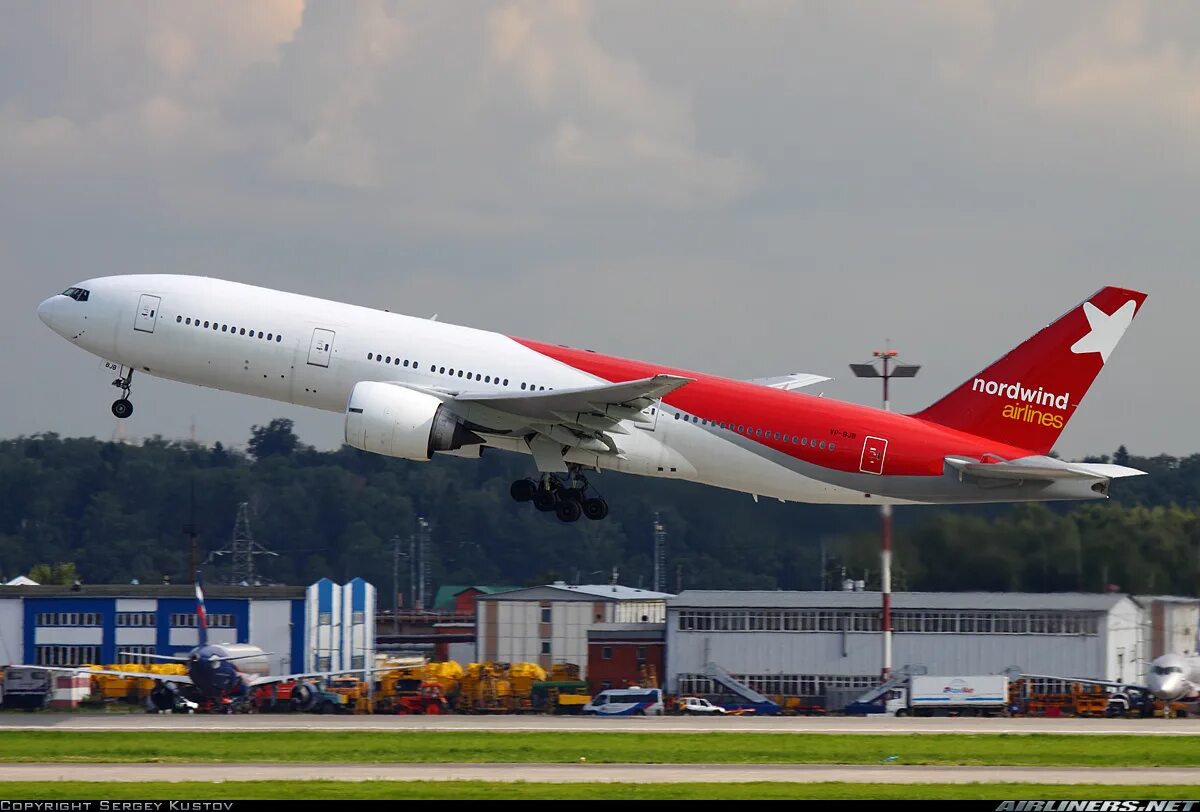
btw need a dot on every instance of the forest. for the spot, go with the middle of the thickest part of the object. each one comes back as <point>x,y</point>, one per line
<point>107,512</point>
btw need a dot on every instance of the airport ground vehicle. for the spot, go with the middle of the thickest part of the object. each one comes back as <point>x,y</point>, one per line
<point>939,696</point>
<point>698,706</point>
<point>626,702</point>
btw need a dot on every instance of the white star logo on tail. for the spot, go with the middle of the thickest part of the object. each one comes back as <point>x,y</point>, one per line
<point>1106,330</point>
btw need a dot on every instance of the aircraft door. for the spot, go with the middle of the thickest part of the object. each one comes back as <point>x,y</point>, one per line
<point>321,348</point>
<point>147,313</point>
<point>874,450</point>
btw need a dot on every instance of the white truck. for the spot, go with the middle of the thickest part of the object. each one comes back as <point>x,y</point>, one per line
<point>945,696</point>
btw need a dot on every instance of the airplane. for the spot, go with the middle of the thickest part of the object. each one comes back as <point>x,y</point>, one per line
<point>213,674</point>
<point>1171,678</point>
<point>412,387</point>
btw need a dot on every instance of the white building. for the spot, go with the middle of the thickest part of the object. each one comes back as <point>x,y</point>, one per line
<point>1169,625</point>
<point>104,624</point>
<point>804,643</point>
<point>549,624</point>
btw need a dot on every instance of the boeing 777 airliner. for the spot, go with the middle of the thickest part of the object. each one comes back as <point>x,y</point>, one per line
<point>412,387</point>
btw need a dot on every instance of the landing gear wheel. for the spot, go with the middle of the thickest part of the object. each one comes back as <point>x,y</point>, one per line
<point>545,500</point>
<point>568,510</point>
<point>595,508</point>
<point>523,490</point>
<point>572,494</point>
<point>122,408</point>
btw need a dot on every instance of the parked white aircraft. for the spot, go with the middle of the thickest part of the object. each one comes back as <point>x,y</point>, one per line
<point>413,387</point>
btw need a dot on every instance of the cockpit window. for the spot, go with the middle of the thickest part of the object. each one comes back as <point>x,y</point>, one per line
<point>78,294</point>
<point>1167,669</point>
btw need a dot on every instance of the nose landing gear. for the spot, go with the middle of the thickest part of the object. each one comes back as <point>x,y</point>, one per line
<point>122,408</point>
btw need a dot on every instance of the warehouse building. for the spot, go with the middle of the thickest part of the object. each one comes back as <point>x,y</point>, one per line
<point>550,624</point>
<point>808,643</point>
<point>104,624</point>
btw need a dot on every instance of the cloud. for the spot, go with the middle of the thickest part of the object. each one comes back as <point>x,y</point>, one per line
<point>607,123</point>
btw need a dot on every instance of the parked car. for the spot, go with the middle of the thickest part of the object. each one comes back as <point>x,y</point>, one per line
<point>698,706</point>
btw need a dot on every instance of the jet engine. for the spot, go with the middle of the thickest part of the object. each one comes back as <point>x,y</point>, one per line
<point>164,696</point>
<point>396,421</point>
<point>304,697</point>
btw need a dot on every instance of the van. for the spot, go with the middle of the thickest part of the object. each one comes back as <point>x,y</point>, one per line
<point>626,702</point>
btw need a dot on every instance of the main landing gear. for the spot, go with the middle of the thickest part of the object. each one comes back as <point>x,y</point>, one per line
<point>567,499</point>
<point>122,408</point>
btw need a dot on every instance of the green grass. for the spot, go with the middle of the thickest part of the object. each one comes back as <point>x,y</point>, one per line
<point>599,747</point>
<point>489,790</point>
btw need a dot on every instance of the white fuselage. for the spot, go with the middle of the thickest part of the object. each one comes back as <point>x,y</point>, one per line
<point>1175,678</point>
<point>311,352</point>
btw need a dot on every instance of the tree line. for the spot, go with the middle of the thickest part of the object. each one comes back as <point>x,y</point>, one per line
<point>107,512</point>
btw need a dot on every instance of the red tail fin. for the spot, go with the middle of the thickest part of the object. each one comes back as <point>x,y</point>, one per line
<point>1026,398</point>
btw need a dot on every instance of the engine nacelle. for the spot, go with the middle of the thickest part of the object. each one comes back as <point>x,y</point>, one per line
<point>164,696</point>
<point>400,422</point>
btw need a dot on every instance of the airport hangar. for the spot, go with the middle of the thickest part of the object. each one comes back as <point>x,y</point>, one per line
<point>322,627</point>
<point>811,643</point>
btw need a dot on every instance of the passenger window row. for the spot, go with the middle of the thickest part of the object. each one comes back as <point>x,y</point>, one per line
<point>451,372</point>
<point>225,328</point>
<point>376,357</point>
<point>756,433</point>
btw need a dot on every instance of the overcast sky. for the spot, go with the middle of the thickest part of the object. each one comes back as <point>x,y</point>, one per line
<point>746,188</point>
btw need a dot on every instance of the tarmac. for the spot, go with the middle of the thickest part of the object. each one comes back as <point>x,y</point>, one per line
<point>599,773</point>
<point>139,722</point>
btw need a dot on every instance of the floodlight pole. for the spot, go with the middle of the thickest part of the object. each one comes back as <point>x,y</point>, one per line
<point>887,357</point>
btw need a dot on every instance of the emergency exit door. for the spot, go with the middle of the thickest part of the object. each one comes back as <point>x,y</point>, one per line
<point>147,313</point>
<point>874,450</point>
<point>321,348</point>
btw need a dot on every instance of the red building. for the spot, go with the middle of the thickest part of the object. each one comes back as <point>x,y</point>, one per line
<point>622,654</point>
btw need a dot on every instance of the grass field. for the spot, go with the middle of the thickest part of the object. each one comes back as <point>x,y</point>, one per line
<point>599,747</point>
<point>482,790</point>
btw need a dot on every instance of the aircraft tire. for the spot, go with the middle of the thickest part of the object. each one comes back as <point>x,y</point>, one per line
<point>523,490</point>
<point>568,510</point>
<point>595,508</point>
<point>545,500</point>
<point>122,408</point>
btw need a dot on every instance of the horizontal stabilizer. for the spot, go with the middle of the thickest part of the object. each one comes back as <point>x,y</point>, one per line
<point>167,657</point>
<point>1038,468</point>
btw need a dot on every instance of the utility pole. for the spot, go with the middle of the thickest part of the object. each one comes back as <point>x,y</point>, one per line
<point>424,570</point>
<point>660,556</point>
<point>892,368</point>
<point>242,549</point>
<point>396,555</point>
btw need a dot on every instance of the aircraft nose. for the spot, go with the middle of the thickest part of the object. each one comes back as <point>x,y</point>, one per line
<point>46,312</point>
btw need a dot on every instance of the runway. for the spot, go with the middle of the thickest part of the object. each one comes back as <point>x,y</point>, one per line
<point>598,773</point>
<point>663,724</point>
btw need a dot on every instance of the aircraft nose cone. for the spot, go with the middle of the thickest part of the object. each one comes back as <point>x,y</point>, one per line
<point>46,312</point>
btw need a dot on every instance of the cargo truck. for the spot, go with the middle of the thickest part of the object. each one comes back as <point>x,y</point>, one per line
<point>940,696</point>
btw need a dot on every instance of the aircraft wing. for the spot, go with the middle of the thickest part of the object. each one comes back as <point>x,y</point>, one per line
<point>180,678</point>
<point>793,380</point>
<point>272,678</point>
<point>553,421</point>
<point>599,400</point>
<point>1086,681</point>
<point>1037,468</point>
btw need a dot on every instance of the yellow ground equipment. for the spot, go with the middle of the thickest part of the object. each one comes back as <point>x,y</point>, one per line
<point>134,690</point>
